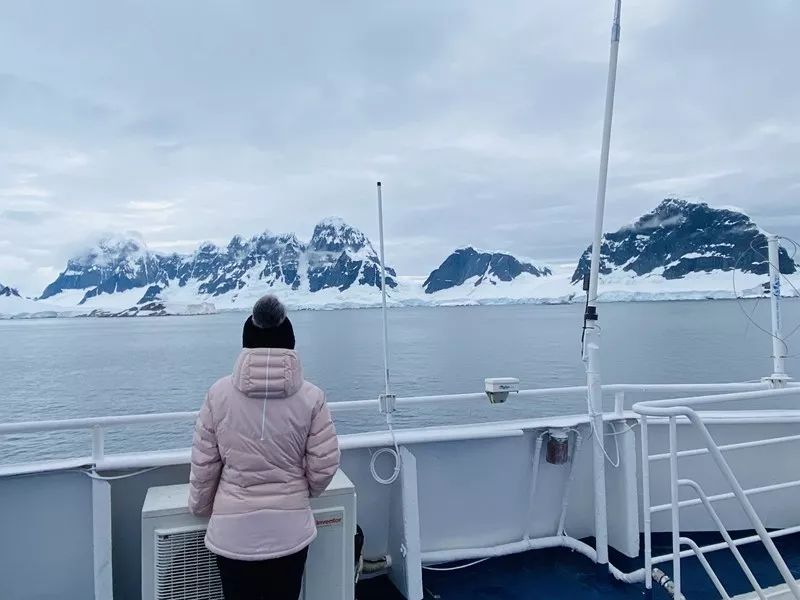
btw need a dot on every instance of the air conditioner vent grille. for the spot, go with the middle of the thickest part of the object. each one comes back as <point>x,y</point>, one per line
<point>185,569</point>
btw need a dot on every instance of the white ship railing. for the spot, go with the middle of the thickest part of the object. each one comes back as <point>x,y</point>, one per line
<point>99,425</point>
<point>673,409</point>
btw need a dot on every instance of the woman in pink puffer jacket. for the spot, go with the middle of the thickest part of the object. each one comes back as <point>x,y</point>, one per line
<point>264,443</point>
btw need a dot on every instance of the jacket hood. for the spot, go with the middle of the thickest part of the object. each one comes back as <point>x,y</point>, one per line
<point>267,373</point>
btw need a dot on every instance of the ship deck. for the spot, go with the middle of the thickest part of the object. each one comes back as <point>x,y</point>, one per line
<point>559,572</point>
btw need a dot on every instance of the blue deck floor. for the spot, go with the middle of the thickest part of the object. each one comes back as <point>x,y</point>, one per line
<point>567,575</point>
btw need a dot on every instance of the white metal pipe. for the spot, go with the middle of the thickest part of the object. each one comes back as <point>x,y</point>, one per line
<point>778,345</point>
<point>743,499</point>
<point>648,388</point>
<point>144,460</point>
<point>98,443</point>
<point>383,293</point>
<point>592,338</point>
<point>352,405</point>
<point>648,551</point>
<point>685,387</point>
<point>676,526</point>
<point>348,405</point>
<point>84,423</point>
<point>452,555</point>
<point>556,541</point>
<point>602,178</point>
<point>537,455</point>
<point>570,477</point>
<point>592,330</point>
<point>726,447</point>
<point>723,545</point>
<point>728,495</point>
<point>649,406</point>
<point>595,409</point>
<point>424,436</point>
<point>619,403</point>
<point>90,422</point>
<point>45,466</point>
<point>725,535</point>
<point>709,571</point>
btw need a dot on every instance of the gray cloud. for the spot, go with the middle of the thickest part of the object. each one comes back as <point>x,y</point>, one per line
<point>189,121</point>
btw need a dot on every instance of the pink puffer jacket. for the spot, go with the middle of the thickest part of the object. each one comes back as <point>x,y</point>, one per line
<point>264,442</point>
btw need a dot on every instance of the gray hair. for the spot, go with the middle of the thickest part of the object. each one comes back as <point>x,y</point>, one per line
<point>268,312</point>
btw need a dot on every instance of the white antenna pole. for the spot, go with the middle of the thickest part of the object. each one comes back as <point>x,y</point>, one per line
<point>603,176</point>
<point>386,401</point>
<point>778,345</point>
<point>592,338</point>
<point>383,294</point>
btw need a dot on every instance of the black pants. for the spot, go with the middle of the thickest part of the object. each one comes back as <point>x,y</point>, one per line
<point>276,579</point>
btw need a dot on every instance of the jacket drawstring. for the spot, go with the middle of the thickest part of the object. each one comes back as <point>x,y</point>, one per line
<point>266,393</point>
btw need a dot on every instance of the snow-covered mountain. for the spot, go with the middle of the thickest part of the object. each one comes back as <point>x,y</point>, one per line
<point>680,250</point>
<point>338,258</point>
<point>14,303</point>
<point>8,292</point>
<point>479,268</point>
<point>116,264</point>
<point>680,239</point>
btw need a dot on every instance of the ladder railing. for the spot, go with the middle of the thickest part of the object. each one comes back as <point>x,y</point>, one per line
<point>682,408</point>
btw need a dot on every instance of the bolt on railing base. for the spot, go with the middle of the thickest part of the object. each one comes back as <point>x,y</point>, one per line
<point>665,582</point>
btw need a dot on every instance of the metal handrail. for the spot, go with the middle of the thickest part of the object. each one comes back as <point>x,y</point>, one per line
<point>725,535</point>
<point>88,423</point>
<point>682,407</point>
<point>774,487</point>
<point>726,447</point>
<point>709,571</point>
<point>98,425</point>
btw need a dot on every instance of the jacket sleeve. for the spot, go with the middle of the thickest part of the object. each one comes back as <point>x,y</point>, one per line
<point>206,464</point>
<point>322,450</point>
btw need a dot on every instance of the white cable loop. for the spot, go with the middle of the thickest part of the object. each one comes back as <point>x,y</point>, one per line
<point>599,441</point>
<point>395,452</point>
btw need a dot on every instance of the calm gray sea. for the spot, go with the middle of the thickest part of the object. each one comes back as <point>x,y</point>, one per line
<point>54,369</point>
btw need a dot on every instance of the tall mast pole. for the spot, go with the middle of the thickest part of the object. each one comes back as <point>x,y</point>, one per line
<point>591,349</point>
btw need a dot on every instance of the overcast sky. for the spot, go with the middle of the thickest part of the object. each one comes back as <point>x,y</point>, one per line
<point>187,121</point>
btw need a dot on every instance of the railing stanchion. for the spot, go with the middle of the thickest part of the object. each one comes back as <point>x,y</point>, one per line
<point>676,526</point>
<point>648,550</point>
<point>619,403</point>
<point>98,444</point>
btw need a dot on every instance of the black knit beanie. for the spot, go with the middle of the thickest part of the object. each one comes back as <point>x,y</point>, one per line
<point>268,326</point>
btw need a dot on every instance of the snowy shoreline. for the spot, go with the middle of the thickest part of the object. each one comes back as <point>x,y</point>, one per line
<point>513,293</point>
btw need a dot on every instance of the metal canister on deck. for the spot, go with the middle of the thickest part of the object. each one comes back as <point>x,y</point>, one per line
<point>557,447</point>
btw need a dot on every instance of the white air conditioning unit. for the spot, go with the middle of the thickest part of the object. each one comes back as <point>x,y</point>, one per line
<point>177,566</point>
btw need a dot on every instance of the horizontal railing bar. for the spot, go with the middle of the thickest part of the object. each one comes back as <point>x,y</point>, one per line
<point>724,545</point>
<point>728,495</point>
<point>562,391</point>
<point>178,456</point>
<point>685,387</point>
<point>735,446</point>
<point>91,422</point>
<point>75,424</point>
<point>677,406</point>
